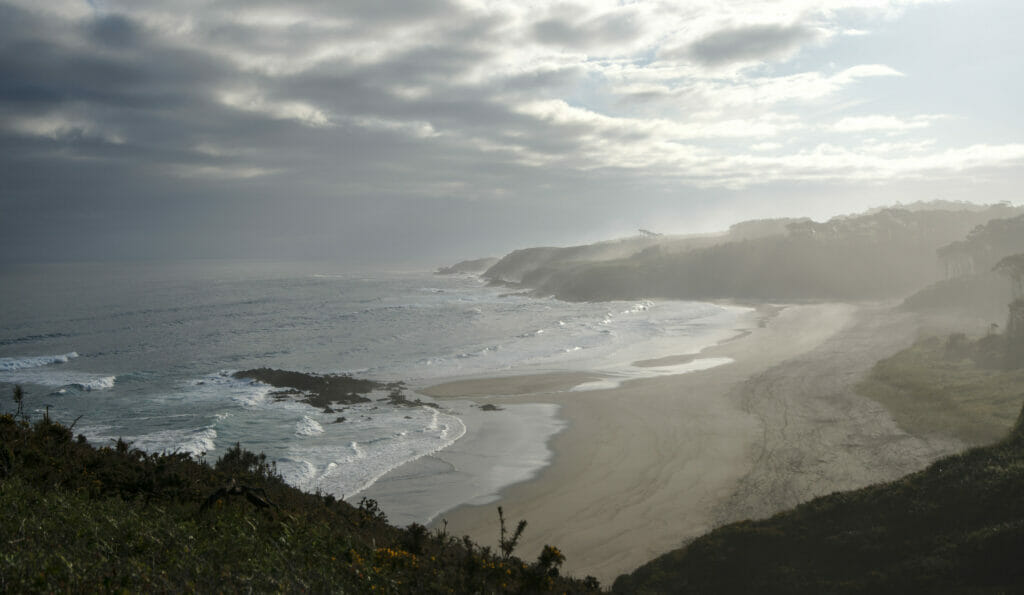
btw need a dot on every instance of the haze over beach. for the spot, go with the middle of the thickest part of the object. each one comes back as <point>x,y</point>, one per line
<point>718,296</point>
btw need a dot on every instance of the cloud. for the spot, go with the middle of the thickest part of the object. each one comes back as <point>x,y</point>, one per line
<point>879,123</point>
<point>114,30</point>
<point>218,172</point>
<point>751,43</point>
<point>253,101</point>
<point>56,126</point>
<point>611,28</point>
<point>761,92</point>
<point>453,100</point>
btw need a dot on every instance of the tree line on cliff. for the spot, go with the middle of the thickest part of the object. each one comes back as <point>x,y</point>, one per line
<point>887,253</point>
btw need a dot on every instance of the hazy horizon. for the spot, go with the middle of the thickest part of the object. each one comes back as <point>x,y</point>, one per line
<point>383,135</point>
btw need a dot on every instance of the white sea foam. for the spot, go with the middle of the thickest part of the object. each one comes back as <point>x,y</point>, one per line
<point>192,441</point>
<point>317,463</point>
<point>639,307</point>
<point>245,392</point>
<point>500,449</point>
<point>66,381</point>
<point>308,427</point>
<point>100,383</point>
<point>10,364</point>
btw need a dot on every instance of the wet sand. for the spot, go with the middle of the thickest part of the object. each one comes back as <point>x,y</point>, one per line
<point>643,467</point>
<point>510,385</point>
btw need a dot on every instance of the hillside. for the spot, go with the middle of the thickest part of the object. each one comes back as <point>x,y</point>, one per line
<point>83,519</point>
<point>467,267</point>
<point>956,526</point>
<point>884,254</point>
<point>980,295</point>
<point>969,286</point>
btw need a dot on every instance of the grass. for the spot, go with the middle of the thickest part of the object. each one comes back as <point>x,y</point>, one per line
<point>78,518</point>
<point>936,388</point>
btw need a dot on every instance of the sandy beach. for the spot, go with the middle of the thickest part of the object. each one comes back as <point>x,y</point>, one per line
<point>641,468</point>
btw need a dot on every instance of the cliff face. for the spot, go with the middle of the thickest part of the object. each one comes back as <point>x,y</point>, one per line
<point>518,266</point>
<point>475,266</point>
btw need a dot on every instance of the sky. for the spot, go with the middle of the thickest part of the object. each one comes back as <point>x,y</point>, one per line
<point>414,134</point>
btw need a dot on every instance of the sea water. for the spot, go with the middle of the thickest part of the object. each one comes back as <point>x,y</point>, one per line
<point>145,352</point>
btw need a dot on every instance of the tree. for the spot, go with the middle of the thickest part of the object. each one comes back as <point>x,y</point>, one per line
<point>1013,267</point>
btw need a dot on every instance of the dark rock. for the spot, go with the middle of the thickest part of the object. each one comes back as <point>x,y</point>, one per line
<point>315,389</point>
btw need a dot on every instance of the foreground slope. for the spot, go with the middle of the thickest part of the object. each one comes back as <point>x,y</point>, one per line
<point>81,519</point>
<point>956,526</point>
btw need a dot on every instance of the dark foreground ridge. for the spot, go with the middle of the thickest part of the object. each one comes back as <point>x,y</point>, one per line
<point>75,518</point>
<point>955,527</point>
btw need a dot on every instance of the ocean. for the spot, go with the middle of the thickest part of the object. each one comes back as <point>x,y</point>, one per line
<point>145,352</point>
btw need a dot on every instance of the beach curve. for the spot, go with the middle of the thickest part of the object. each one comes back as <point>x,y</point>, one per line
<point>645,466</point>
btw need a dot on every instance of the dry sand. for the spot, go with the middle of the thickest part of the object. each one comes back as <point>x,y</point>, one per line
<point>644,467</point>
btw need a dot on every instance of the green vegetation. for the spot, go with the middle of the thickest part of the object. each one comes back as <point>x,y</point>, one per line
<point>984,248</point>
<point>951,387</point>
<point>83,519</point>
<point>979,296</point>
<point>957,526</point>
<point>976,272</point>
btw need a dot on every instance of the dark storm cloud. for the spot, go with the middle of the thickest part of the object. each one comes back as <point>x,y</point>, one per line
<point>758,42</point>
<point>49,66</point>
<point>109,79</point>
<point>114,30</point>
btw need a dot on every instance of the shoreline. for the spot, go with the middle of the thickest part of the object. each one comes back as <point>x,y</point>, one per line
<point>647,464</point>
<point>502,435</point>
<point>499,447</point>
<point>507,438</point>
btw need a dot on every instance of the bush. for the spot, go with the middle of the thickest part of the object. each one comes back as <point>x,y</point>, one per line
<point>79,518</point>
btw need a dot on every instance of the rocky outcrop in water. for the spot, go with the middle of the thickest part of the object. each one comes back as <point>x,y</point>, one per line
<point>325,390</point>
